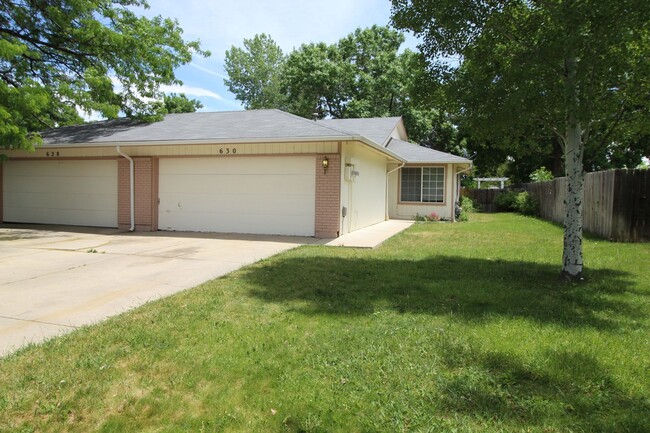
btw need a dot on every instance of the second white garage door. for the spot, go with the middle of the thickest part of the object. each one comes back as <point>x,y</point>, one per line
<point>71,192</point>
<point>262,195</point>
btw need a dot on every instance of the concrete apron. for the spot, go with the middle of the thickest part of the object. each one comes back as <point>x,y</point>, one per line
<point>52,282</point>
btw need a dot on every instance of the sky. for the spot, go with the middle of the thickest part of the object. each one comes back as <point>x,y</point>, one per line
<point>220,24</point>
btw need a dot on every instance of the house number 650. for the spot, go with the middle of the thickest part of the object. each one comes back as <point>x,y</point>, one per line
<point>227,151</point>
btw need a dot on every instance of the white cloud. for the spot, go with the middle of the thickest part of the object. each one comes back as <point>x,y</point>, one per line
<point>208,71</point>
<point>190,91</point>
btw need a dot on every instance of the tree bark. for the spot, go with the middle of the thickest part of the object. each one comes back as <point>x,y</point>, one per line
<point>572,261</point>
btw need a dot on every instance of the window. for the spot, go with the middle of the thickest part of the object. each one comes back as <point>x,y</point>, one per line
<point>423,184</point>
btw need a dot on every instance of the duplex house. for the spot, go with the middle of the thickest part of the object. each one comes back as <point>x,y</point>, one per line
<point>257,171</point>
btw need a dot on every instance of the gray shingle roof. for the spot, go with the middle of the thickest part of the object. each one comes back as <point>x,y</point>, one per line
<point>415,153</point>
<point>218,126</point>
<point>233,126</point>
<point>377,129</point>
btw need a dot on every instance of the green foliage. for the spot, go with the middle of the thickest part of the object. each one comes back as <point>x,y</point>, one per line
<point>362,75</point>
<point>467,205</point>
<point>57,56</point>
<point>577,70</point>
<point>180,104</point>
<point>526,204</point>
<point>505,201</point>
<point>509,91</point>
<point>444,328</point>
<point>254,73</point>
<point>425,218</point>
<point>541,174</point>
<point>515,201</point>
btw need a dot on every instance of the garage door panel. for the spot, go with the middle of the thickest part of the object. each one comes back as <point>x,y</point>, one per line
<point>82,192</point>
<point>241,195</point>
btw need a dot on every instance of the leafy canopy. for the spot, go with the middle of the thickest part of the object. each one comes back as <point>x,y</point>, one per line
<point>508,86</point>
<point>63,55</point>
<point>362,75</point>
<point>180,104</point>
<point>576,68</point>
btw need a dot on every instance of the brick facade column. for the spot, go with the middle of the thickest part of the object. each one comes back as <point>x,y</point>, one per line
<point>1,194</point>
<point>328,196</point>
<point>146,194</point>
<point>123,195</point>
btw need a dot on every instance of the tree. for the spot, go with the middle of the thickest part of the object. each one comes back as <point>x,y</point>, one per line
<point>180,104</point>
<point>573,67</point>
<point>362,75</point>
<point>254,72</point>
<point>62,55</point>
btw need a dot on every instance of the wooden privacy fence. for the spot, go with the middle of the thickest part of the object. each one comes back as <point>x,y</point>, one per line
<point>616,204</point>
<point>483,198</point>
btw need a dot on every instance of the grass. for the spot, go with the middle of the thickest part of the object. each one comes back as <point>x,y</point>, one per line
<point>445,328</point>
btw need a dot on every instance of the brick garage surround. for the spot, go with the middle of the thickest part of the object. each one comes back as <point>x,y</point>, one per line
<point>146,194</point>
<point>328,196</point>
<point>1,196</point>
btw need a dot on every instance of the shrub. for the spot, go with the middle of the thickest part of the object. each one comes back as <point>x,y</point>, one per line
<point>541,174</point>
<point>467,205</point>
<point>513,201</point>
<point>431,217</point>
<point>506,201</point>
<point>526,204</point>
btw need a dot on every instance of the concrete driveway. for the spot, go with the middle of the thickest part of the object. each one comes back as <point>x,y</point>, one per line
<point>54,279</point>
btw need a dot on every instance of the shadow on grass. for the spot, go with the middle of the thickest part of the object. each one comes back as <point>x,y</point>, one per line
<point>467,287</point>
<point>572,391</point>
<point>563,390</point>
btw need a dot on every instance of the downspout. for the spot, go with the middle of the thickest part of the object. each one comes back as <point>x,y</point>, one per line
<point>387,175</point>
<point>458,173</point>
<point>131,186</point>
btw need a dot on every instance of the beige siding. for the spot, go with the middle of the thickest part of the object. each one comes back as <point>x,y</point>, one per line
<point>399,210</point>
<point>365,196</point>
<point>223,150</point>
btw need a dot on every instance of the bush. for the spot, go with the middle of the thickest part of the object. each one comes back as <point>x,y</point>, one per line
<point>541,175</point>
<point>431,217</point>
<point>467,205</point>
<point>513,201</point>
<point>527,204</point>
<point>506,201</point>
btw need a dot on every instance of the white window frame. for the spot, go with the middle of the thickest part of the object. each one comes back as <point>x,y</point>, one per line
<point>422,187</point>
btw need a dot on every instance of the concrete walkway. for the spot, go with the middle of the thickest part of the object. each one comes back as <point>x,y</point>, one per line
<point>371,237</point>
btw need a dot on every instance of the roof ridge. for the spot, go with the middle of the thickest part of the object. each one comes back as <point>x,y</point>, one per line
<point>315,122</point>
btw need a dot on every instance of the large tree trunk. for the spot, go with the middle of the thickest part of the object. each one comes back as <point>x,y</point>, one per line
<point>574,149</point>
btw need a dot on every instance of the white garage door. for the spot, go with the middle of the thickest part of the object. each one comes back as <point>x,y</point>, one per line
<point>269,195</point>
<point>61,192</point>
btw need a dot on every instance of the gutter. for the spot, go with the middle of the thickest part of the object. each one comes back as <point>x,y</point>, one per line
<point>131,186</point>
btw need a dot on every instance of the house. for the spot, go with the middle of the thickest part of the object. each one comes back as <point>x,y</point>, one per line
<point>258,171</point>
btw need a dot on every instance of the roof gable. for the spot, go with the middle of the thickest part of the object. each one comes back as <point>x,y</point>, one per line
<point>377,129</point>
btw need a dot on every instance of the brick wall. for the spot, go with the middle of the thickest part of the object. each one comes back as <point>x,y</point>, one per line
<point>123,197</point>
<point>146,194</point>
<point>1,196</point>
<point>328,200</point>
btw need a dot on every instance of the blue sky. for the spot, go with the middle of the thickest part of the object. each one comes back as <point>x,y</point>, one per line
<point>221,24</point>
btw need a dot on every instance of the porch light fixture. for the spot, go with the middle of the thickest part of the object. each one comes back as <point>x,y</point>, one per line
<point>326,163</point>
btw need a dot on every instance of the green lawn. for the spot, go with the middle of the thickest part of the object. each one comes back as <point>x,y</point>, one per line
<point>445,328</point>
